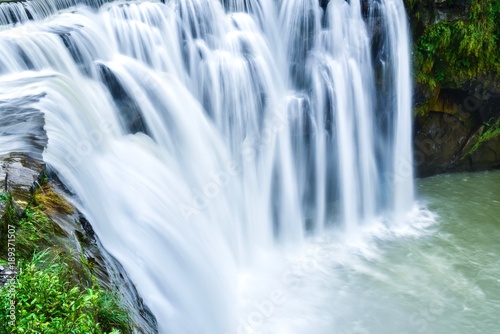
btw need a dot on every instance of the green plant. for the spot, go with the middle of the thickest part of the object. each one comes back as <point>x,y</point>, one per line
<point>48,301</point>
<point>491,131</point>
<point>452,52</point>
<point>35,231</point>
<point>4,197</point>
<point>9,216</point>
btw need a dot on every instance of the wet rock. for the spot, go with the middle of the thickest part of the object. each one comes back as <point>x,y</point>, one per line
<point>486,156</point>
<point>448,138</point>
<point>438,142</point>
<point>21,125</point>
<point>18,173</point>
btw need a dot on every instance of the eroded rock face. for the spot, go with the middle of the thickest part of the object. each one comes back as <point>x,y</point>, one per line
<point>486,156</point>
<point>22,126</point>
<point>449,138</point>
<point>438,143</point>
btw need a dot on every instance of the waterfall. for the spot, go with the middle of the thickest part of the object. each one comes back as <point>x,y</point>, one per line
<point>200,136</point>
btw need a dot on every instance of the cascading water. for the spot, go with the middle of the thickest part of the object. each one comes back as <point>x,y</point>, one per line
<point>201,136</point>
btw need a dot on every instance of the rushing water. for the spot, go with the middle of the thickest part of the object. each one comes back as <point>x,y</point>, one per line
<point>210,142</point>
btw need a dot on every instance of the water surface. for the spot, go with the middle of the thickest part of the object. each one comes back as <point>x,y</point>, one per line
<point>440,275</point>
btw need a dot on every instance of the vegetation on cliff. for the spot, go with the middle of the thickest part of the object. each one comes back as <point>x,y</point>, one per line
<point>451,52</point>
<point>49,301</point>
<point>55,290</point>
<point>456,67</point>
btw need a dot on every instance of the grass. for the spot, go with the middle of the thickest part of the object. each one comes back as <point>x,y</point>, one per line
<point>35,230</point>
<point>49,302</point>
<point>8,217</point>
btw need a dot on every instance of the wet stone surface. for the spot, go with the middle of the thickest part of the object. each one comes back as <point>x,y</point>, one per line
<point>18,173</point>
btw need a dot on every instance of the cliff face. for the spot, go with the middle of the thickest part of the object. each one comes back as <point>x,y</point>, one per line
<point>457,84</point>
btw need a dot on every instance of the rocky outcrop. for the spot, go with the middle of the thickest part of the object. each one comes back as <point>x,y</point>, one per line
<point>452,134</point>
<point>457,122</point>
<point>447,142</point>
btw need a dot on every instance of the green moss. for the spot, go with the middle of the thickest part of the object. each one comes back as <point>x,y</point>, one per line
<point>35,231</point>
<point>48,301</point>
<point>50,202</point>
<point>450,53</point>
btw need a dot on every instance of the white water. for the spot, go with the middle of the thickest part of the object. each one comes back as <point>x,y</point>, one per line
<point>204,143</point>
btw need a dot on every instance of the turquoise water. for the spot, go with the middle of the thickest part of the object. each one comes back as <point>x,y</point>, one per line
<point>446,280</point>
<point>459,264</point>
<point>440,274</point>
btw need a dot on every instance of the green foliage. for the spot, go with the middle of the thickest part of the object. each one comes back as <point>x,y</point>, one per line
<point>34,231</point>
<point>491,131</point>
<point>452,52</point>
<point>4,197</point>
<point>8,217</point>
<point>110,316</point>
<point>43,179</point>
<point>48,301</point>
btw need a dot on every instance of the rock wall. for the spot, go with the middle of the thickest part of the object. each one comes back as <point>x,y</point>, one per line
<point>457,121</point>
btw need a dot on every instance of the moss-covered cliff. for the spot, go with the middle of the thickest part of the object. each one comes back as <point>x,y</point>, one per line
<point>456,54</point>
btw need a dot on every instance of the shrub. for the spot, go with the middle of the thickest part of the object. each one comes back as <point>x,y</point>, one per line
<point>48,301</point>
<point>452,52</point>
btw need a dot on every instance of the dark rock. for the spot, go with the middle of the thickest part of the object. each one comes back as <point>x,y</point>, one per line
<point>440,148</point>
<point>21,125</point>
<point>423,13</point>
<point>438,142</point>
<point>487,155</point>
